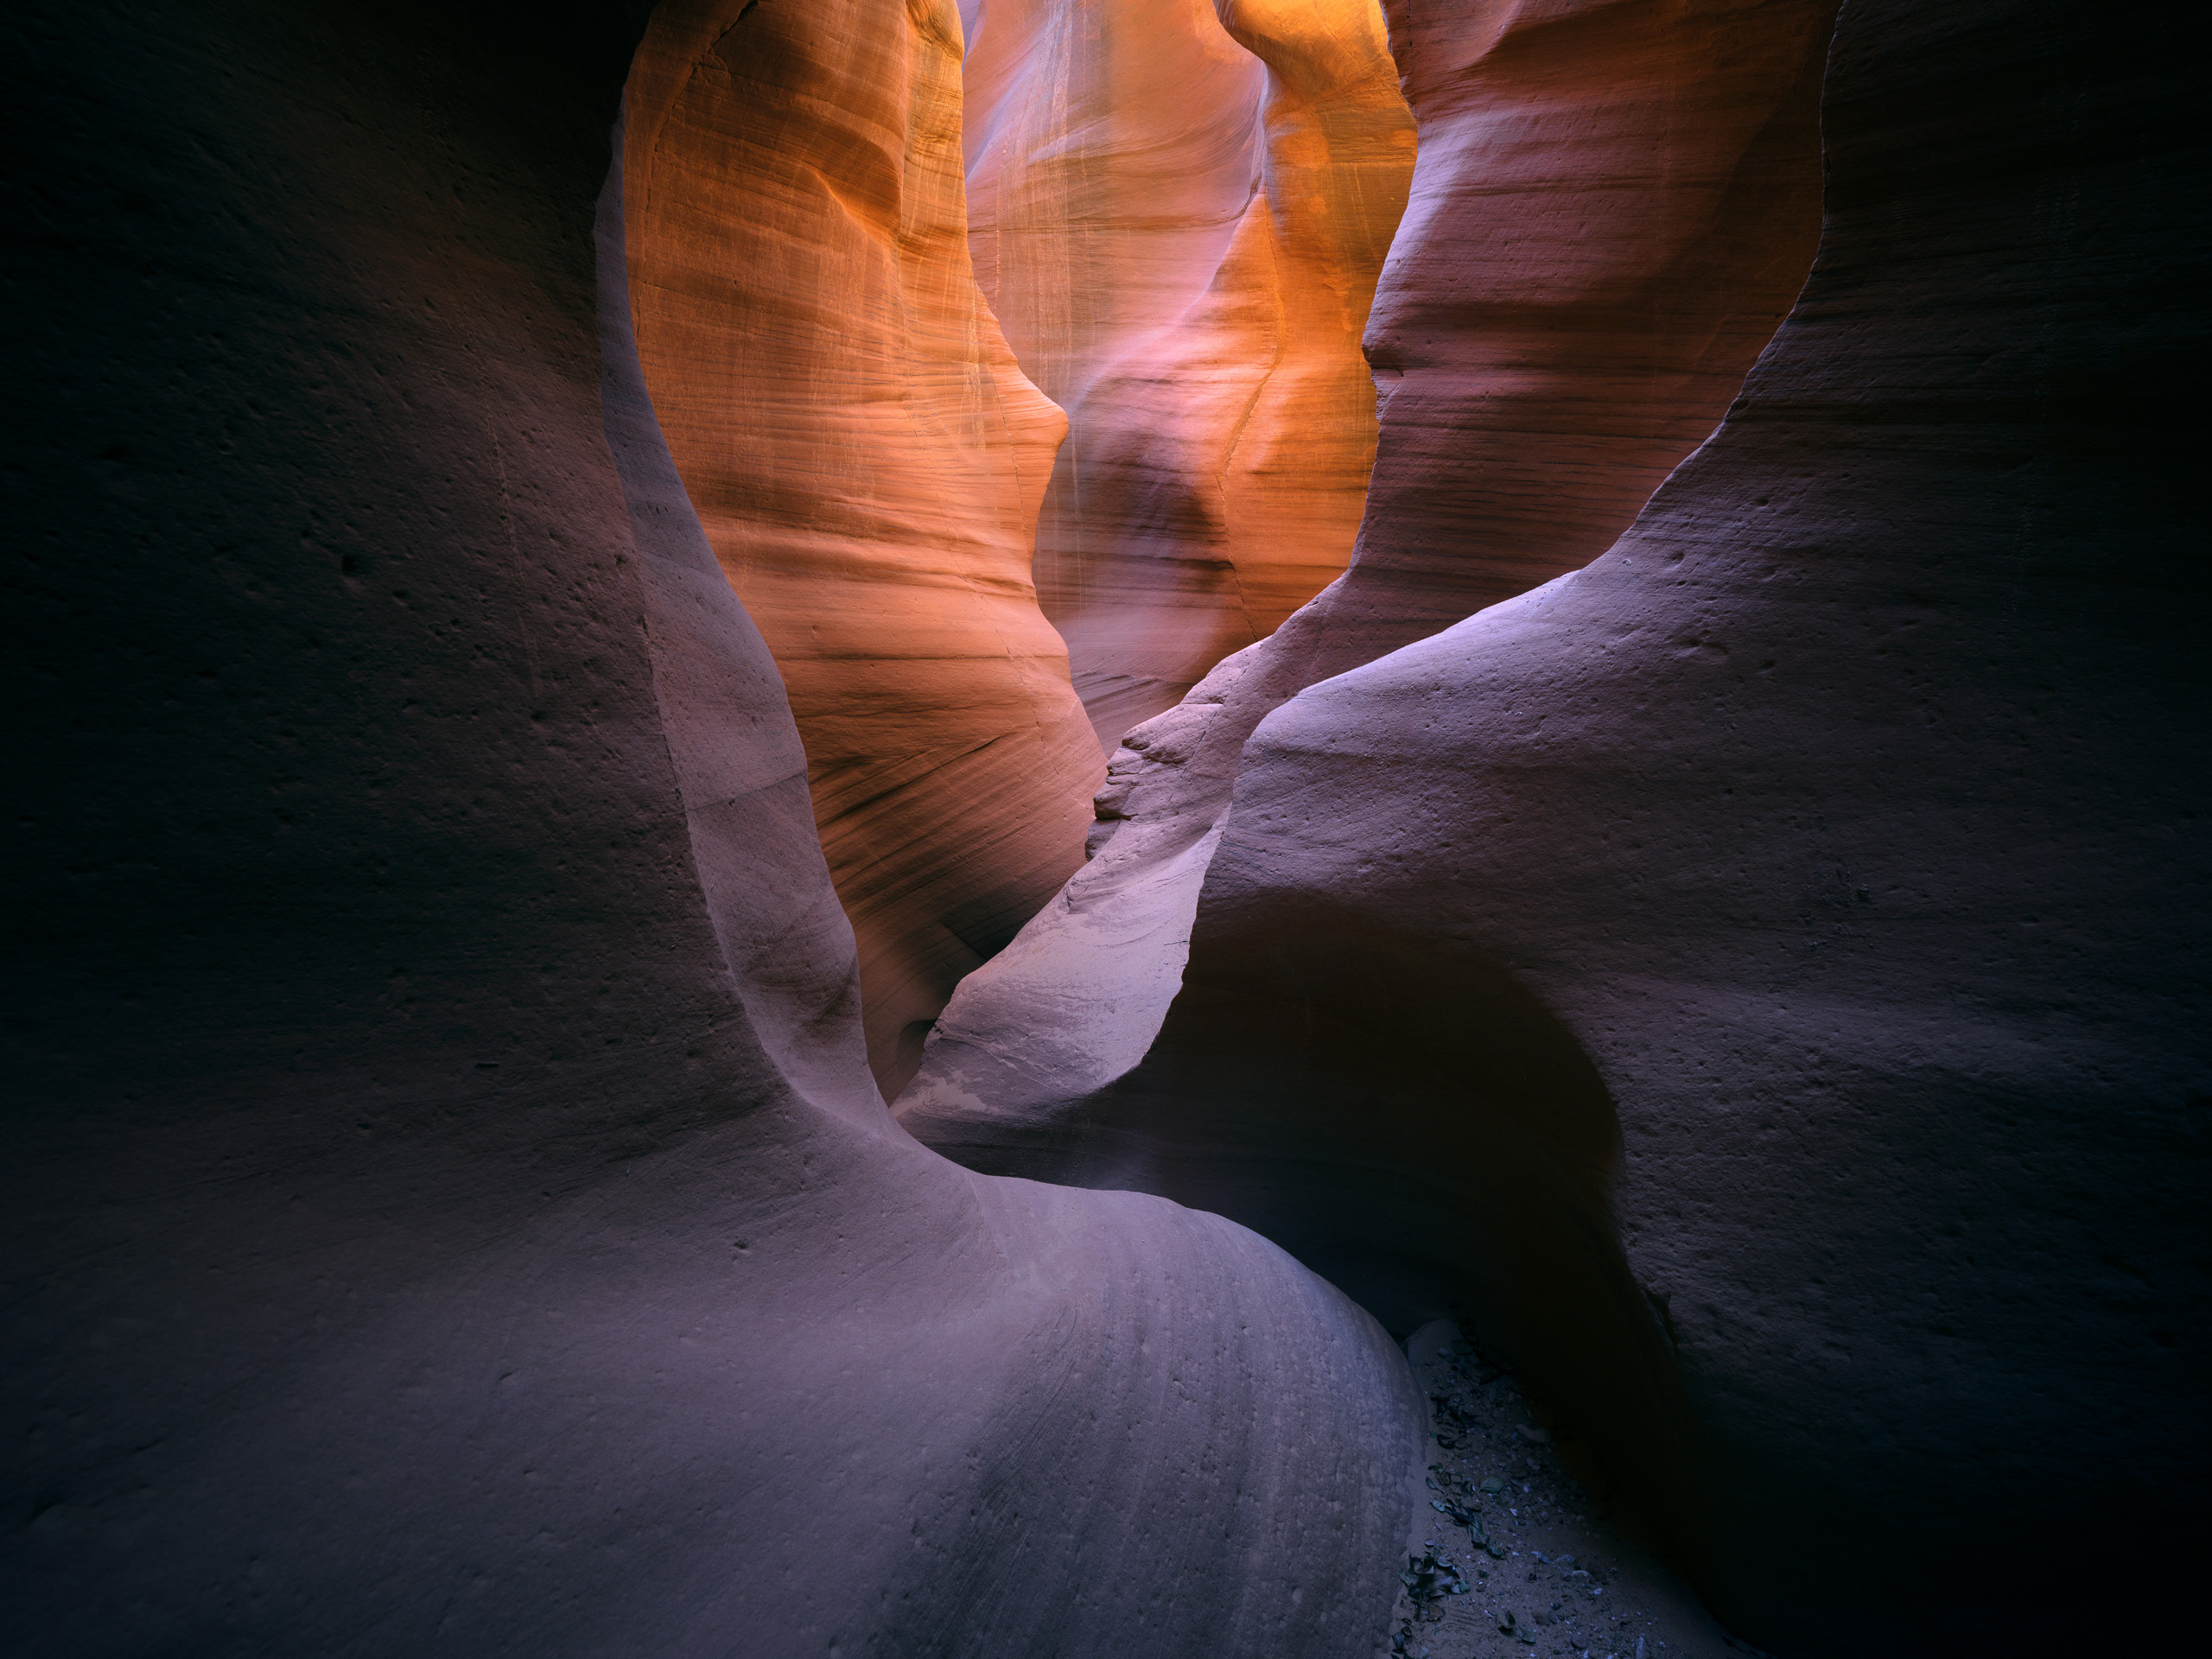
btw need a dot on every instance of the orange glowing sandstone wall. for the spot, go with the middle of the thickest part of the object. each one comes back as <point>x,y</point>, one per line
<point>1182,240</point>
<point>868,461</point>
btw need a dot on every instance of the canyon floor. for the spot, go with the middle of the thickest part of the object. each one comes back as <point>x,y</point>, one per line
<point>1507,1552</point>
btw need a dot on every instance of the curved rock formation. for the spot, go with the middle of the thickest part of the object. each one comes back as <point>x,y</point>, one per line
<point>1183,245</point>
<point>867,462</point>
<point>449,1209</point>
<point>1613,207</point>
<point>1756,978</point>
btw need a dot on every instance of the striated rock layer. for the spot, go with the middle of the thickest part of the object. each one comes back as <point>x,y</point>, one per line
<point>1758,978</point>
<point>1613,207</point>
<point>448,1208</point>
<point>867,462</point>
<point>1181,236</point>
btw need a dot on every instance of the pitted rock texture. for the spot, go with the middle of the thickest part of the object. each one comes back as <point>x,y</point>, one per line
<point>868,461</point>
<point>1756,980</point>
<point>1613,208</point>
<point>1179,218</point>
<point>449,1207</point>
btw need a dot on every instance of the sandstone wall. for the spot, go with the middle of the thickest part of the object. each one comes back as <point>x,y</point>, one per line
<point>1613,208</point>
<point>1181,236</point>
<point>449,1205</point>
<point>1757,978</point>
<point>867,462</point>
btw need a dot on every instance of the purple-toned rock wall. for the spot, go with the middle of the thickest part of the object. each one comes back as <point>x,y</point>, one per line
<point>1756,980</point>
<point>449,1206</point>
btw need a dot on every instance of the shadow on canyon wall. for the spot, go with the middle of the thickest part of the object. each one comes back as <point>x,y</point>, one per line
<point>449,1205</point>
<point>1758,979</point>
<point>1838,826</point>
<point>1415,1125</point>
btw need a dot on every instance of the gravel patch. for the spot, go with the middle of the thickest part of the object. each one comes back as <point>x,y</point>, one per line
<point>1508,1554</point>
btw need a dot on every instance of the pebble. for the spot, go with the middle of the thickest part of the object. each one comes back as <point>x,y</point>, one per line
<point>1457,1490</point>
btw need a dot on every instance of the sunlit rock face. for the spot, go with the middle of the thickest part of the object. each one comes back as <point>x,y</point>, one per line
<point>867,462</point>
<point>448,1208</point>
<point>1755,978</point>
<point>1179,218</point>
<point>1613,207</point>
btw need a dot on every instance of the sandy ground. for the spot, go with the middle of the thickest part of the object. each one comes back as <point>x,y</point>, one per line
<point>1555,1577</point>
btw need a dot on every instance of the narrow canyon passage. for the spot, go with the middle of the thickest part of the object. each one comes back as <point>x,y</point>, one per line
<point>1098,828</point>
<point>1612,212</point>
<point>1179,212</point>
<point>1286,458</point>
<point>1182,217</point>
<point>1541,381</point>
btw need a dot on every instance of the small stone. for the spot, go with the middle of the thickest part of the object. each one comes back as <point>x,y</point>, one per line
<point>1533,1435</point>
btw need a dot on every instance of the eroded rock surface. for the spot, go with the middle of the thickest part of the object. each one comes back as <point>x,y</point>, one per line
<point>1757,978</point>
<point>449,1208</point>
<point>1181,236</point>
<point>1613,208</point>
<point>868,461</point>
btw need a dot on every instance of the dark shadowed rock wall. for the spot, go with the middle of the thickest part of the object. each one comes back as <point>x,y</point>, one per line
<point>448,1204</point>
<point>1759,979</point>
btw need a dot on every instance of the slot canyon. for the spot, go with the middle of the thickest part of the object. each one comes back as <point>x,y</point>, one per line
<point>1050,828</point>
